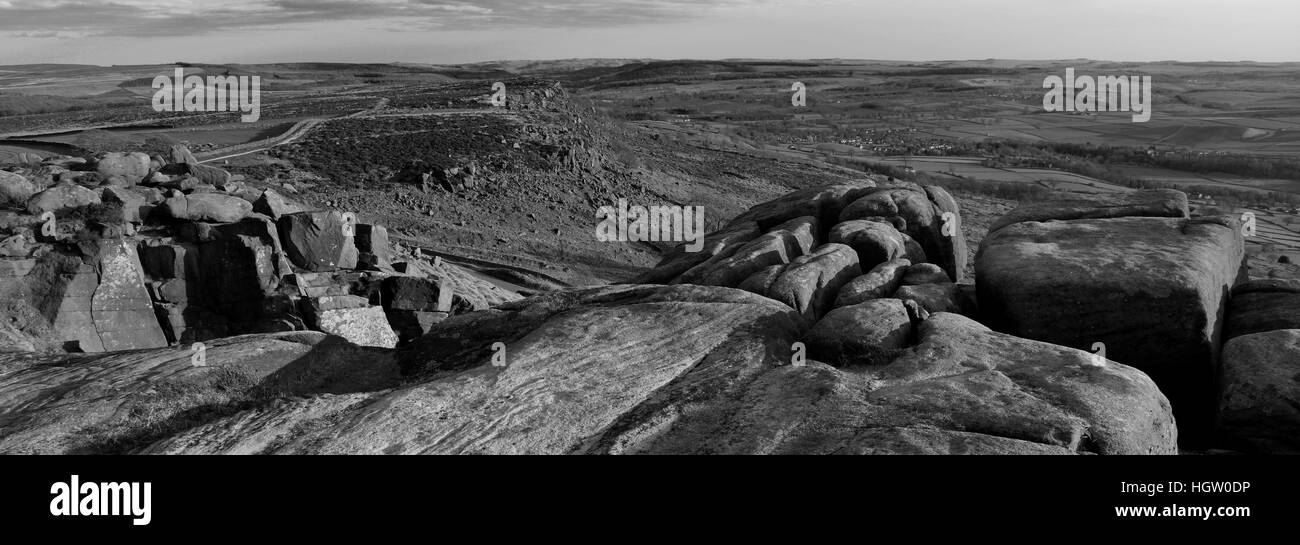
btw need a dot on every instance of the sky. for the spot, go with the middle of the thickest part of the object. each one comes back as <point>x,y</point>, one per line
<point>456,31</point>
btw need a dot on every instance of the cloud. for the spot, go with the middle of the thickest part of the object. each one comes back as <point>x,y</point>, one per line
<point>141,18</point>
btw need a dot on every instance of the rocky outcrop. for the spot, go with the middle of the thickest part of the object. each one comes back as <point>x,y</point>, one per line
<point>776,248</point>
<point>82,302</point>
<point>1152,289</point>
<point>690,369</point>
<point>928,215</point>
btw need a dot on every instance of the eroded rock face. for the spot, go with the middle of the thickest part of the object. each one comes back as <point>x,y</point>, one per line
<point>568,365</point>
<point>874,242</point>
<point>212,207</point>
<point>318,241</point>
<point>1152,289</point>
<point>878,283</point>
<point>781,245</point>
<point>117,401</point>
<point>928,215</point>
<point>1260,405</point>
<point>1155,203</point>
<point>810,283</point>
<point>62,196</point>
<point>691,369</point>
<point>870,333</point>
<point>1263,305</point>
<point>15,189</point>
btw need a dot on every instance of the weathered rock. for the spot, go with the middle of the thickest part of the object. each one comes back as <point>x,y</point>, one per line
<point>421,294</point>
<point>879,283</point>
<point>131,167</point>
<point>779,246</point>
<point>932,297</point>
<point>874,242</point>
<point>1263,305</point>
<point>133,204</point>
<point>15,189</point>
<point>212,176</point>
<point>761,281</point>
<point>717,245</point>
<point>62,196</point>
<point>116,402</point>
<point>1260,404</point>
<point>691,369</point>
<point>823,203</point>
<point>920,213</point>
<point>870,333</point>
<point>1151,289</point>
<point>214,207</point>
<point>1161,203</point>
<point>811,282</point>
<point>273,204</point>
<point>925,273</point>
<point>316,241</point>
<point>567,366</point>
<point>181,155</point>
<point>362,326</point>
<point>91,303</point>
<point>1017,395</point>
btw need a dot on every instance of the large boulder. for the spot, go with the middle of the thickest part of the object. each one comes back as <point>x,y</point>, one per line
<point>543,375</point>
<point>781,245</point>
<point>62,196</point>
<point>273,204</point>
<point>212,207</point>
<point>811,282</point>
<point>689,370</point>
<point>130,167</point>
<point>133,204</point>
<point>363,326</point>
<point>881,281</point>
<point>1156,203</point>
<point>874,242</point>
<point>317,241</point>
<point>1151,289</point>
<point>121,401</point>
<point>870,333</point>
<point>1260,405</point>
<point>15,189</point>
